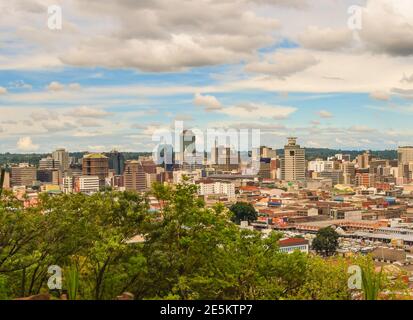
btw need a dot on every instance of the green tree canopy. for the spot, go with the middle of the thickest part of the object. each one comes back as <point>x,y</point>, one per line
<point>243,211</point>
<point>326,241</point>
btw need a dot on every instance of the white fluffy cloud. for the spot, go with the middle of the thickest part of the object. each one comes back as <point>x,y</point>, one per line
<point>55,86</point>
<point>26,144</point>
<point>3,90</point>
<point>387,27</point>
<point>209,102</point>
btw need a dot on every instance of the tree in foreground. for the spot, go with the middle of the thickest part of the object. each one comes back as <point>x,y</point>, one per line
<point>326,242</point>
<point>243,211</point>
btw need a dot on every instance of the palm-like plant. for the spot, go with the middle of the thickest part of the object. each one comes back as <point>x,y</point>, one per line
<point>72,282</point>
<point>371,283</point>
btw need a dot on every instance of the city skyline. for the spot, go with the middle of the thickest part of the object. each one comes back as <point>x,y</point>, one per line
<point>293,68</point>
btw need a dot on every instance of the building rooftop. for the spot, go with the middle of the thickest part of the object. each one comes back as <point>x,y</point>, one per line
<point>293,242</point>
<point>95,156</point>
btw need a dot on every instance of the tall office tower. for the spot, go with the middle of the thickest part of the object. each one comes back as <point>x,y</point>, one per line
<point>266,152</point>
<point>134,176</point>
<point>116,162</point>
<point>293,164</point>
<point>405,157</point>
<point>225,158</point>
<point>165,156</point>
<point>23,175</point>
<point>189,158</point>
<point>49,163</point>
<point>96,164</point>
<point>265,168</point>
<point>364,159</point>
<point>349,172</point>
<point>63,157</point>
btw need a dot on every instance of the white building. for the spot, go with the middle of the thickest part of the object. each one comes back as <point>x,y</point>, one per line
<point>192,175</point>
<point>211,188</point>
<point>87,184</point>
<point>294,244</point>
<point>68,185</point>
<point>320,165</point>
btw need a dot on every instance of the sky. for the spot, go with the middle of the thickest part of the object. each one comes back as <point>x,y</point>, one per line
<point>334,73</point>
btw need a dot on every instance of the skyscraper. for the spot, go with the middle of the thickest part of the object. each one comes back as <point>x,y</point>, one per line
<point>189,158</point>
<point>96,164</point>
<point>63,157</point>
<point>134,176</point>
<point>116,162</point>
<point>405,157</point>
<point>293,163</point>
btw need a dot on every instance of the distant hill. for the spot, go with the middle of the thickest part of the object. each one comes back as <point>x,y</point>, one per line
<point>34,158</point>
<point>314,153</point>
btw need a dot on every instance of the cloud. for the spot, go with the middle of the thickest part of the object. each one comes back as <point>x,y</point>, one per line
<point>3,90</point>
<point>26,144</point>
<point>252,111</point>
<point>55,86</point>
<point>388,27</point>
<point>325,39</point>
<point>283,64</point>
<point>88,112</point>
<point>325,114</point>
<point>199,33</point>
<point>407,79</point>
<point>380,95</point>
<point>209,102</point>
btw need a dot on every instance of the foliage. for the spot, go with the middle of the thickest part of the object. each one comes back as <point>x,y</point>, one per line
<point>190,251</point>
<point>326,241</point>
<point>243,211</point>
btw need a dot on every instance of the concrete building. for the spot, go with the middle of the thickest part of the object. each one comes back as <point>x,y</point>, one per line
<point>62,156</point>
<point>87,184</point>
<point>294,244</point>
<point>116,162</point>
<point>207,188</point>
<point>96,164</point>
<point>293,162</point>
<point>23,175</point>
<point>405,158</point>
<point>320,165</point>
<point>134,176</point>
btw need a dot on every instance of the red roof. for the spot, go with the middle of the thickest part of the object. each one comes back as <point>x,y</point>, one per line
<point>249,188</point>
<point>292,242</point>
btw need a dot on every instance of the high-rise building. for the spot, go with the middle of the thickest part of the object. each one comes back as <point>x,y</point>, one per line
<point>134,176</point>
<point>349,172</point>
<point>364,159</point>
<point>116,162</point>
<point>405,157</point>
<point>49,163</point>
<point>293,162</point>
<point>225,158</point>
<point>190,158</point>
<point>96,164</point>
<point>266,152</point>
<point>62,156</point>
<point>23,175</point>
